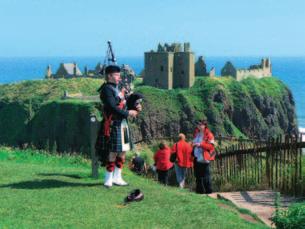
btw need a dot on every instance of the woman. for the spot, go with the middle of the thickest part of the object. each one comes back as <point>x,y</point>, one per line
<point>203,154</point>
<point>162,162</point>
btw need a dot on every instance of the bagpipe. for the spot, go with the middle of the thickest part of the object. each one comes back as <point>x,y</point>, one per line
<point>134,100</point>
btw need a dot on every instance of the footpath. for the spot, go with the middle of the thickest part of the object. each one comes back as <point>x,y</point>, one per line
<point>260,203</point>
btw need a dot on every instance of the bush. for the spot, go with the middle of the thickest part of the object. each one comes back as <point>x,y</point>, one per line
<point>291,218</point>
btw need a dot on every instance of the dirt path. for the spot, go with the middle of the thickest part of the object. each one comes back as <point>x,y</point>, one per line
<point>260,203</point>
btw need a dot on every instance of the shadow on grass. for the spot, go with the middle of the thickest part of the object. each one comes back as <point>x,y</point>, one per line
<point>63,175</point>
<point>48,183</point>
<point>266,199</point>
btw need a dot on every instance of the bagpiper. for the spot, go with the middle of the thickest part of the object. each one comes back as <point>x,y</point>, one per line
<point>114,138</point>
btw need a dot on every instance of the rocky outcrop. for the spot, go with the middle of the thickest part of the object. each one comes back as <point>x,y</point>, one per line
<point>251,108</point>
<point>231,109</point>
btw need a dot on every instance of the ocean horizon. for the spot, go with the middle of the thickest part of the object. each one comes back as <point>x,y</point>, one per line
<point>290,70</point>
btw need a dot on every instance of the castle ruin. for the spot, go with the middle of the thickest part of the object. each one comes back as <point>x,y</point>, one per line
<point>201,67</point>
<point>261,70</point>
<point>65,70</point>
<point>170,66</point>
<point>71,70</point>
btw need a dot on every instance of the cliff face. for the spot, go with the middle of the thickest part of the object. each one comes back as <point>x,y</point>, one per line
<point>253,108</point>
<point>32,112</point>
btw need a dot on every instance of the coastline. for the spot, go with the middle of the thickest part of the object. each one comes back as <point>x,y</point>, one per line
<point>290,70</point>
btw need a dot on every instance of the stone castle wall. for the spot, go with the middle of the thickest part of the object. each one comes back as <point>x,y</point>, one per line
<point>184,70</point>
<point>264,69</point>
<point>170,67</point>
<point>159,69</point>
<point>257,73</point>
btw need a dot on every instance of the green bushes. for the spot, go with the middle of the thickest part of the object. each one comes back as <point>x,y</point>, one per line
<point>291,218</point>
<point>62,126</point>
<point>31,113</point>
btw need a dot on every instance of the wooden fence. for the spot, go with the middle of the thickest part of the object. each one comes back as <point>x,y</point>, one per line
<point>275,164</point>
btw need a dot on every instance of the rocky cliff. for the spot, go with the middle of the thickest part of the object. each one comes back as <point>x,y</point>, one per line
<point>32,112</point>
<point>251,108</point>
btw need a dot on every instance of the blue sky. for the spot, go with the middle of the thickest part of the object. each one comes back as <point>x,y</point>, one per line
<point>214,27</point>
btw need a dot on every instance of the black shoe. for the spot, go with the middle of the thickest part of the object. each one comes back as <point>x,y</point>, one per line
<point>135,195</point>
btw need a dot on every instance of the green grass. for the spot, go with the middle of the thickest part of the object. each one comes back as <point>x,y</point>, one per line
<point>46,90</point>
<point>22,105</point>
<point>31,112</point>
<point>42,191</point>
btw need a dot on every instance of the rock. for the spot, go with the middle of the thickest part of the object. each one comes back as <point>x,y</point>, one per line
<point>227,111</point>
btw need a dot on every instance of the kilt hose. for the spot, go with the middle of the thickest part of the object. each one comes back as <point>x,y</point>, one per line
<point>118,141</point>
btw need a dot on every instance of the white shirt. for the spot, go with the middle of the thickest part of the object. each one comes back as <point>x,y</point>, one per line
<point>198,151</point>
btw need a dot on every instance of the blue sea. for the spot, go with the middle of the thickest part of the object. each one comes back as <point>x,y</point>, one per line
<point>291,70</point>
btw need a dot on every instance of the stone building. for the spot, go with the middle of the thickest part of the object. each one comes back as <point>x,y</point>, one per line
<point>201,67</point>
<point>65,70</point>
<point>170,66</point>
<point>229,70</point>
<point>264,69</point>
<point>71,70</point>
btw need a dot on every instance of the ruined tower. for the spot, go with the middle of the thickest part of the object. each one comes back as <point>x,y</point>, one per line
<point>200,67</point>
<point>228,70</point>
<point>170,66</point>
<point>159,69</point>
<point>184,68</point>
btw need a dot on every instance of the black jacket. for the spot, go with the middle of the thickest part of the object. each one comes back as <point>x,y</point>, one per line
<point>109,95</point>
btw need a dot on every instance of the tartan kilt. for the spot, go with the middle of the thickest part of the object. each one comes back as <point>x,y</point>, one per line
<point>119,140</point>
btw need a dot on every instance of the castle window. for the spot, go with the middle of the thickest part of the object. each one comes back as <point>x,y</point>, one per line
<point>180,61</point>
<point>161,68</point>
<point>182,72</point>
<point>171,69</point>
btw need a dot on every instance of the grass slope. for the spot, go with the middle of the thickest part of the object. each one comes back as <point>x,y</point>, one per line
<point>46,90</point>
<point>42,191</point>
<point>32,111</point>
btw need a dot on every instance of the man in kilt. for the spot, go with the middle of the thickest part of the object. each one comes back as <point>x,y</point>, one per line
<point>114,136</point>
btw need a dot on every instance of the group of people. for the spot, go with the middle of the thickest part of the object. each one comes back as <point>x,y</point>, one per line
<point>114,140</point>
<point>183,155</point>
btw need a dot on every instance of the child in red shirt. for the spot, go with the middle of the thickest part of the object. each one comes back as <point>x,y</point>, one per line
<point>162,162</point>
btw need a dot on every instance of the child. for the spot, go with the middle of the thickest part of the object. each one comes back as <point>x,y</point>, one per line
<point>162,162</point>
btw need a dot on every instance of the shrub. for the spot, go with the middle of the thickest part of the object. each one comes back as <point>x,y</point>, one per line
<point>291,218</point>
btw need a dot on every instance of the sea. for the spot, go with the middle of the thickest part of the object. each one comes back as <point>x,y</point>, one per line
<point>290,70</point>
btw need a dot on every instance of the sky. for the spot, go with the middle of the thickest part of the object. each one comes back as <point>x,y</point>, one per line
<point>213,27</point>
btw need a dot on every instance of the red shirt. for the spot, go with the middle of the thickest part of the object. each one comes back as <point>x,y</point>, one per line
<point>161,158</point>
<point>184,154</point>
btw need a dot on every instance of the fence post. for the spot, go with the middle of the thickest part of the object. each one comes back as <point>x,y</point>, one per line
<point>268,162</point>
<point>93,135</point>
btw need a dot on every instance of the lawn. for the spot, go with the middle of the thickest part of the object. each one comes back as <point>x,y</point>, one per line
<point>38,190</point>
